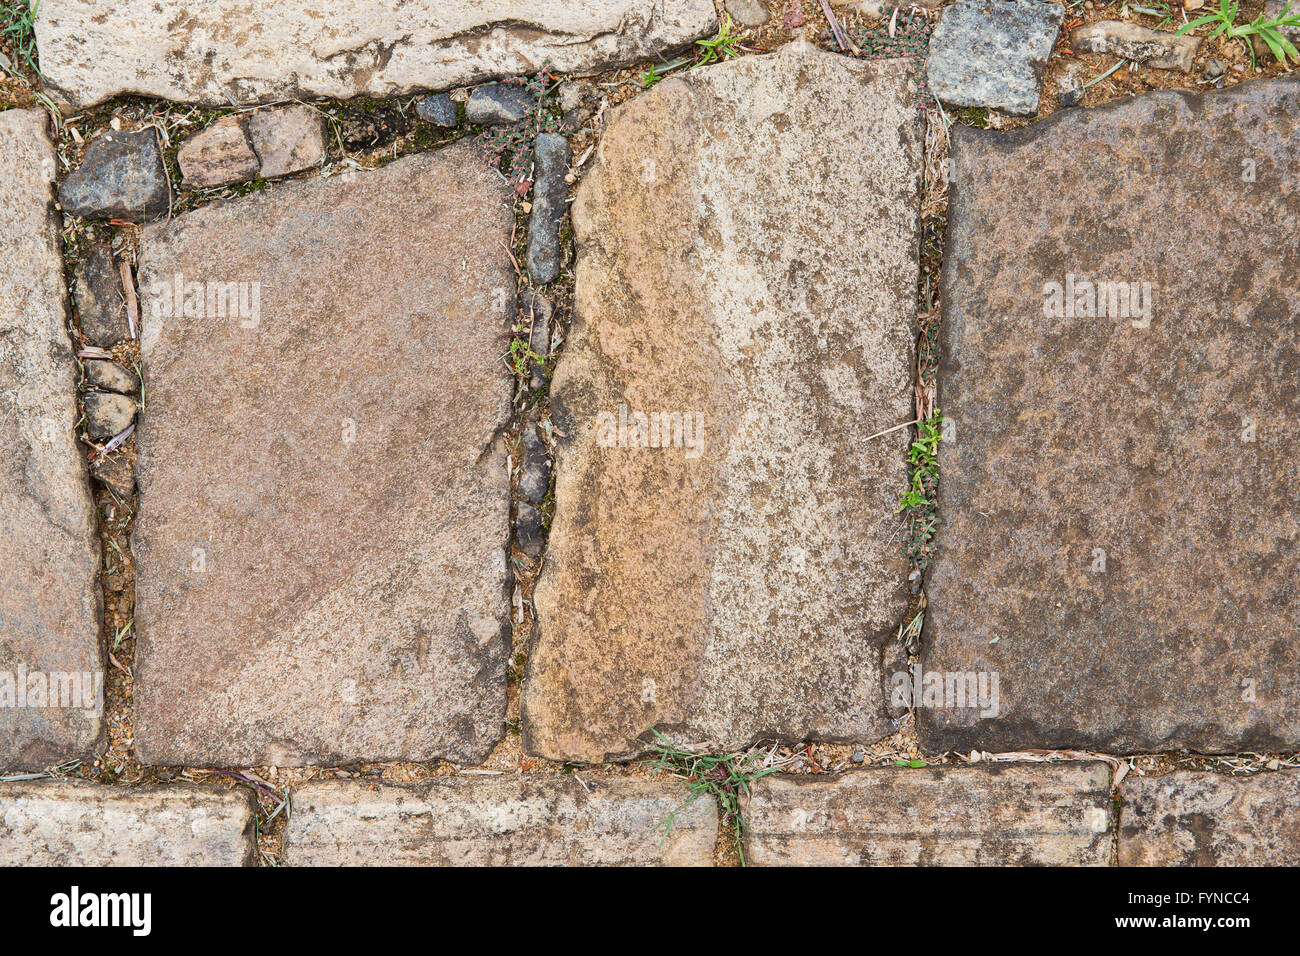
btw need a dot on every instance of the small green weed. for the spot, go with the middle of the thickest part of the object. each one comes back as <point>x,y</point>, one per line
<point>919,500</point>
<point>726,778</point>
<point>1267,30</point>
<point>510,148</point>
<point>17,25</point>
<point>725,45</point>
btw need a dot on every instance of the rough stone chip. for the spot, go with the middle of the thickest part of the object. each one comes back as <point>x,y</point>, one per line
<point>513,821</point>
<point>1163,51</point>
<point>738,577</point>
<point>225,51</point>
<point>986,815</point>
<point>107,414</point>
<point>287,140</point>
<point>80,824</point>
<point>217,155</point>
<point>992,53</point>
<point>321,541</point>
<point>551,159</point>
<point>1121,537</point>
<point>50,665</point>
<point>1192,818</point>
<point>97,291</point>
<point>121,176</point>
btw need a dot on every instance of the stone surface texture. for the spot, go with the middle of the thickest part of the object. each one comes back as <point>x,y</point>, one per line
<point>80,824</point>
<point>992,53</point>
<point>49,552</point>
<point>986,815</point>
<point>1194,818</point>
<point>97,292</point>
<point>1158,49</point>
<point>507,821</point>
<point>121,176</point>
<point>217,155</point>
<point>228,50</point>
<point>287,140</point>
<point>551,159</point>
<point>740,582</point>
<point>321,539</point>
<point>1121,537</point>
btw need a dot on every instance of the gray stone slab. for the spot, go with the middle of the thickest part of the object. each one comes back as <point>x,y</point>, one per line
<point>320,546</point>
<point>51,670</point>
<point>501,821</point>
<point>1191,818</point>
<point>67,823</point>
<point>992,53</point>
<point>747,263</point>
<point>225,51</point>
<point>1120,525</point>
<point>1045,814</point>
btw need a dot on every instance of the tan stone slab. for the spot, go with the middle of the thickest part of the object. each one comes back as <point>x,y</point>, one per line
<point>79,824</point>
<point>321,567</point>
<point>501,821</point>
<point>1191,818</point>
<point>51,670</point>
<point>747,242</point>
<point>1056,814</point>
<point>224,51</point>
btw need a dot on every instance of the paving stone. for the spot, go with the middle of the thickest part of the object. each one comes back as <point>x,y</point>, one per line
<point>535,469</point>
<point>1158,49</point>
<point>1191,818</point>
<point>551,159</point>
<point>737,577</point>
<point>1120,530</point>
<point>121,176</point>
<point>66,823</point>
<point>97,290</point>
<point>507,821</point>
<point>49,552</point>
<point>110,376</point>
<point>287,140</point>
<point>107,414</point>
<point>985,815</point>
<point>992,53</point>
<point>321,541</point>
<point>440,110</point>
<point>224,51</point>
<point>217,155</point>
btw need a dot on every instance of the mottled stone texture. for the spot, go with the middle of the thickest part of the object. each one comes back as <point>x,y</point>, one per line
<point>78,824</point>
<point>49,554</point>
<point>1189,818</point>
<point>323,508</point>
<point>746,259</point>
<point>1119,502</point>
<point>1154,48</point>
<point>510,821</point>
<point>217,155</point>
<point>224,51</point>
<point>987,815</point>
<point>992,53</point>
